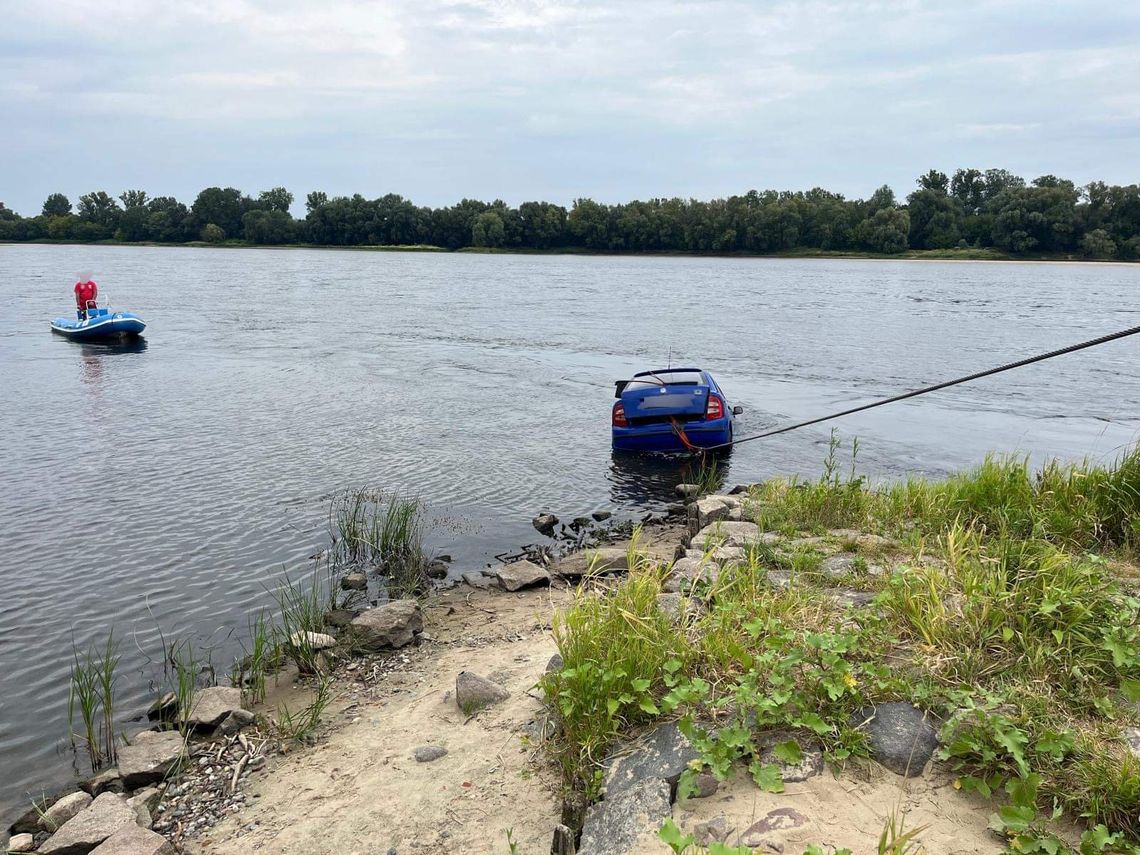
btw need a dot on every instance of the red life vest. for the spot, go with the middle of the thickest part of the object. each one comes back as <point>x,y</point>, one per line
<point>85,292</point>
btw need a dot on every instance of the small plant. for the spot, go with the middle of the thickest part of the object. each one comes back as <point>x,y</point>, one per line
<point>183,668</point>
<point>92,692</point>
<point>300,725</point>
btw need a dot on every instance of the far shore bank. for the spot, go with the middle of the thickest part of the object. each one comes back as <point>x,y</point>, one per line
<point>957,255</point>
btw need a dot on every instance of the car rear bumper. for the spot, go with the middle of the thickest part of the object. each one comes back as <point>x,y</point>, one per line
<point>661,437</point>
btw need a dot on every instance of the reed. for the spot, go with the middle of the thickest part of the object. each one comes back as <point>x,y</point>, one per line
<point>92,694</point>
<point>300,725</point>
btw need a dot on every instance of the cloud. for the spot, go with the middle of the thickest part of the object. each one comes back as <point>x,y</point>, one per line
<point>517,99</point>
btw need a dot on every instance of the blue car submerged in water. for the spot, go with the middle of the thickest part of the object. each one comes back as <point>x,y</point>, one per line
<point>675,409</point>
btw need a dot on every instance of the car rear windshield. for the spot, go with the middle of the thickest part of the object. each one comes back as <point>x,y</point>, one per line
<point>672,378</point>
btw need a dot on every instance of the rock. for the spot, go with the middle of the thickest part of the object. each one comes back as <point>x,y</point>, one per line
<point>730,533</point>
<point>555,663</point>
<point>63,810</point>
<point>133,840</point>
<point>1132,738</point>
<point>676,509</point>
<point>164,708</point>
<point>900,736</point>
<point>608,559</point>
<point>340,618</point>
<point>766,831</point>
<point>706,511</point>
<point>235,721</point>
<point>662,753</point>
<point>437,569</point>
<point>394,624</point>
<point>473,692</point>
<point>83,832</point>
<point>354,582</point>
<point>688,491</point>
<point>601,516</point>
<point>809,765</point>
<point>677,606</point>
<point>545,523</point>
<point>208,707</point>
<point>151,756</point>
<point>311,640</point>
<point>108,780</point>
<point>21,843</point>
<point>563,841</point>
<point>716,830</point>
<point>477,580</point>
<point>850,598</point>
<point>427,753</point>
<point>613,826</point>
<point>521,574</point>
<point>687,571</point>
<point>735,515</point>
<point>144,803</point>
<point>707,785</point>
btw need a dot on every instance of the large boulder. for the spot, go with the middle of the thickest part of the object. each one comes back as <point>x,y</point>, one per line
<point>899,735</point>
<point>133,840</point>
<point>614,825</point>
<point>521,574</point>
<point>150,757</point>
<point>63,810</point>
<point>706,511</point>
<point>391,625</point>
<point>607,559</point>
<point>473,692</point>
<point>662,753</point>
<point>87,829</point>
<point>730,533</point>
<point>209,706</point>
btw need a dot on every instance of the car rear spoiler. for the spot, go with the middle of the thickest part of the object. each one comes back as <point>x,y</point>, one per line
<point>619,387</point>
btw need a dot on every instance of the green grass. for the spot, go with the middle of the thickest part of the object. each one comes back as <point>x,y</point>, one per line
<point>388,533</point>
<point>92,695</point>
<point>1007,613</point>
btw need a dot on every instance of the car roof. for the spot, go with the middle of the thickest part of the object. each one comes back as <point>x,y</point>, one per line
<point>670,371</point>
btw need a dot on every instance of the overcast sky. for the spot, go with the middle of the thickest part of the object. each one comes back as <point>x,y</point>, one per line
<point>525,99</point>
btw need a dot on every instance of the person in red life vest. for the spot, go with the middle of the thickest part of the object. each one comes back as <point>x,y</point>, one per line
<point>85,293</point>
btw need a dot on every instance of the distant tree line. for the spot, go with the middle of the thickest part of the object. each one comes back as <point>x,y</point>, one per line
<point>972,209</point>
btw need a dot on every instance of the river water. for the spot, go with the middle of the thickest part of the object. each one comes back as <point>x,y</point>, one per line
<point>160,491</point>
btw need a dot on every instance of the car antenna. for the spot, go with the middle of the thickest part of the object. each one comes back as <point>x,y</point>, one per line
<point>670,360</point>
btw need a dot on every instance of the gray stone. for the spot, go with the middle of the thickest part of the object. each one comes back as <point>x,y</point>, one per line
<point>688,491</point>
<point>601,516</point>
<point>235,721</point>
<point>899,735</point>
<point>707,785</point>
<point>83,832</point>
<point>150,757</point>
<point>21,843</point>
<point>563,841</point>
<point>613,826</point>
<point>354,582</point>
<point>437,570</point>
<point>850,598</point>
<point>477,580</point>
<point>677,606</point>
<point>63,810</point>
<point>706,511</point>
<point>394,624</point>
<point>209,706</point>
<point>545,523</point>
<point>662,753</point>
<point>164,708</point>
<point>108,780</point>
<point>340,618</point>
<point>809,765</point>
<point>836,566</point>
<point>521,574</point>
<point>427,753</point>
<point>143,803</point>
<point>132,840</point>
<point>1132,738</point>
<point>473,692</point>
<point>716,830</point>
<point>555,663</point>
<point>767,830</point>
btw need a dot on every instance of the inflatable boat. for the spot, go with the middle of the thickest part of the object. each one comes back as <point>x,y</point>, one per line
<point>100,325</point>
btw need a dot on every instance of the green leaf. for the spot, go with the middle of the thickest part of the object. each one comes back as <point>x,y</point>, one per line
<point>767,777</point>
<point>1015,817</point>
<point>788,751</point>
<point>814,722</point>
<point>647,706</point>
<point>1059,635</point>
<point>612,706</point>
<point>673,837</point>
<point>640,685</point>
<point>672,666</point>
<point>1006,634</point>
<point>1131,689</point>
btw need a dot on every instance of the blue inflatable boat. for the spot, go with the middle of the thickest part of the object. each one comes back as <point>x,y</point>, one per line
<point>100,325</point>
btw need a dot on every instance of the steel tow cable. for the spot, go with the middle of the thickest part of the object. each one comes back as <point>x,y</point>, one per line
<point>1104,339</point>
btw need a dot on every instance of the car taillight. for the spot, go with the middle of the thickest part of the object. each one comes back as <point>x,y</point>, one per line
<point>715,408</point>
<point>619,418</point>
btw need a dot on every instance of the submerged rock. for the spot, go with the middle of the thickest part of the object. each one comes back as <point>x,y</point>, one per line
<point>613,826</point>
<point>83,832</point>
<point>521,574</point>
<point>899,735</point>
<point>354,582</point>
<point>473,692</point>
<point>601,516</point>
<point>545,523</point>
<point>394,624</point>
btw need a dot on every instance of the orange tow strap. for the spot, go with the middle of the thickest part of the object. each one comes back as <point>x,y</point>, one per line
<point>680,431</point>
